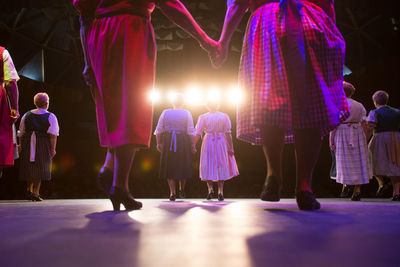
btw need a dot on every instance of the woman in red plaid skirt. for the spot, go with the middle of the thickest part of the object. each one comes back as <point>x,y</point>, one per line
<point>291,69</point>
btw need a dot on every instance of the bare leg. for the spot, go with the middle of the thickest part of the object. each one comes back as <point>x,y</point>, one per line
<point>396,185</point>
<point>123,159</point>
<point>29,187</point>
<point>380,181</point>
<point>171,183</point>
<point>182,184</point>
<point>357,189</point>
<point>221,187</point>
<point>36,187</point>
<point>210,186</point>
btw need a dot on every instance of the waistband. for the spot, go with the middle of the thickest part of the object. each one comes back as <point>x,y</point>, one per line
<point>122,12</point>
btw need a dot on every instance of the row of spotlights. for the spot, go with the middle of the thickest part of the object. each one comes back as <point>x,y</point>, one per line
<point>195,96</point>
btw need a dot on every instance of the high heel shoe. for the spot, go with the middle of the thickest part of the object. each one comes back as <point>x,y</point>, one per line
<point>181,194</point>
<point>220,197</point>
<point>272,189</point>
<point>105,179</point>
<point>172,197</point>
<point>210,195</point>
<point>306,201</point>
<point>36,197</point>
<point>118,197</point>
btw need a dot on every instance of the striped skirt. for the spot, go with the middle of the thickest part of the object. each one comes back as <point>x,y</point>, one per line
<point>40,169</point>
<point>353,165</point>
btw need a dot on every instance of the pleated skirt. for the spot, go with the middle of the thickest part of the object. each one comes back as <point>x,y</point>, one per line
<point>176,157</point>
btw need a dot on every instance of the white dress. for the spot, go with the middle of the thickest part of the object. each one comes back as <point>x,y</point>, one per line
<point>353,164</point>
<point>215,162</point>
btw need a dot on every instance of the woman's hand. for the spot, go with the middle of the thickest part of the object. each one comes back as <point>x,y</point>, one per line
<point>194,149</point>
<point>88,76</point>
<point>19,147</point>
<point>14,115</point>
<point>218,58</point>
<point>159,147</point>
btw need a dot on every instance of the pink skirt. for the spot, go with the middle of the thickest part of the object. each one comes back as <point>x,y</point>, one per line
<point>263,74</point>
<point>122,53</point>
<point>6,134</point>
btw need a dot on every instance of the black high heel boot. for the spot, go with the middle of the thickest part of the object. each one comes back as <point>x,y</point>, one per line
<point>272,189</point>
<point>118,197</point>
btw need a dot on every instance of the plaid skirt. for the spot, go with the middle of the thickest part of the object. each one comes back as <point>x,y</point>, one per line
<point>353,165</point>
<point>264,77</point>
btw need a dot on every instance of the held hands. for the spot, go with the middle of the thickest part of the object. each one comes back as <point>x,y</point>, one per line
<point>52,153</point>
<point>14,115</point>
<point>88,76</point>
<point>216,52</point>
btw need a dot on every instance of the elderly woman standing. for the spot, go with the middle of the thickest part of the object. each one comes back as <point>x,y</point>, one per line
<point>120,52</point>
<point>38,131</point>
<point>175,135</point>
<point>349,143</point>
<point>385,143</point>
<point>291,69</point>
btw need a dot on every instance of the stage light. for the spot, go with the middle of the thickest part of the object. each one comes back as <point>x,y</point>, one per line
<point>154,96</point>
<point>172,94</point>
<point>193,95</point>
<point>235,95</point>
<point>214,94</point>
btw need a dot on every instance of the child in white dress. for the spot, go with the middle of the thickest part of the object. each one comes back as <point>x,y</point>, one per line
<point>217,160</point>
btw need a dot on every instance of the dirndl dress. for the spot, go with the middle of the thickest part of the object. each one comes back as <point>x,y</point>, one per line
<point>265,78</point>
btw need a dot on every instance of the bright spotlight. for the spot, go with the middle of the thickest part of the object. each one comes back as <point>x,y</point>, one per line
<point>193,95</point>
<point>235,95</point>
<point>172,96</point>
<point>154,95</point>
<point>214,94</point>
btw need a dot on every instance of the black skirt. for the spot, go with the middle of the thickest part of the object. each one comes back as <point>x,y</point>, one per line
<point>40,169</point>
<point>176,157</point>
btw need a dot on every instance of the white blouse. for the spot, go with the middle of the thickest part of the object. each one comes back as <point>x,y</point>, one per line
<point>10,73</point>
<point>357,111</point>
<point>175,120</point>
<point>217,122</point>
<point>54,129</point>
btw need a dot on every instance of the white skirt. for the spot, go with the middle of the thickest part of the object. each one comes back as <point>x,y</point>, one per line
<point>353,164</point>
<point>215,162</point>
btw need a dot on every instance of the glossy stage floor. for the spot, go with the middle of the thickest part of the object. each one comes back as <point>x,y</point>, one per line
<point>199,233</point>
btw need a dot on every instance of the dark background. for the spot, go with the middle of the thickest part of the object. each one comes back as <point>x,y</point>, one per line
<point>43,40</point>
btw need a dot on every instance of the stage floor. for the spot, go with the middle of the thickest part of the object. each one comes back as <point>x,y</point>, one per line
<point>199,233</point>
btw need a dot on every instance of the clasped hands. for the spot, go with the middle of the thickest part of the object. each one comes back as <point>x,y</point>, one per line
<point>217,51</point>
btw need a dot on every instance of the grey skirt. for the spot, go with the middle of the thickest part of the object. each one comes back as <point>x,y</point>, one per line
<point>385,150</point>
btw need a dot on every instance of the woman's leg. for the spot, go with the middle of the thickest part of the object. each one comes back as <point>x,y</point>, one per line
<point>210,186</point>
<point>396,185</point>
<point>182,184</point>
<point>307,146</point>
<point>109,160</point>
<point>171,183</point>
<point>272,140</point>
<point>36,187</point>
<point>123,159</point>
<point>29,187</point>
<point>221,187</point>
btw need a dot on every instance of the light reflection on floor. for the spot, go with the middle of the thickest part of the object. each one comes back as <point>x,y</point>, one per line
<point>198,233</point>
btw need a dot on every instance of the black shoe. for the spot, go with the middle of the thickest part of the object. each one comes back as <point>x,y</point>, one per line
<point>210,195</point>
<point>118,197</point>
<point>396,198</point>
<point>36,197</point>
<point>172,197</point>
<point>105,179</point>
<point>356,197</point>
<point>29,196</point>
<point>272,189</point>
<point>181,194</point>
<point>220,197</point>
<point>383,191</point>
<point>346,193</point>
<point>306,201</point>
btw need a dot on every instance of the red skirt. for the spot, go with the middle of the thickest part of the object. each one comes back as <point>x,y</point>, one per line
<point>122,53</point>
<point>6,134</point>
